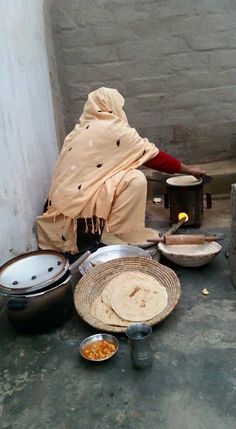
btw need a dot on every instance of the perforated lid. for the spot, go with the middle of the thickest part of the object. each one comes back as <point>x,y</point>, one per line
<point>32,271</point>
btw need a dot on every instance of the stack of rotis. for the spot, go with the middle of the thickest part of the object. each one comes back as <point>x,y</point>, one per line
<point>130,297</point>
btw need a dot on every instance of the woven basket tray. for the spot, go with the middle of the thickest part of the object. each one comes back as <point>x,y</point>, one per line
<point>92,284</point>
<point>192,255</point>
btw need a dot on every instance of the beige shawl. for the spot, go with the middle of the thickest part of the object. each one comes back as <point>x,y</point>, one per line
<point>94,158</point>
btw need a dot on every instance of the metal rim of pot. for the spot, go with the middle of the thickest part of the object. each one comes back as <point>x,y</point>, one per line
<point>34,271</point>
<point>39,292</point>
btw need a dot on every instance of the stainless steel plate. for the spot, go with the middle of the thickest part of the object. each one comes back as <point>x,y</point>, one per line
<point>109,253</point>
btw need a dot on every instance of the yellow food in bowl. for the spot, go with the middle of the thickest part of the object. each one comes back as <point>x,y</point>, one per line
<point>99,350</point>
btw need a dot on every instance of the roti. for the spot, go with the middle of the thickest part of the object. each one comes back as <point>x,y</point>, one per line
<point>137,296</point>
<point>107,291</point>
<point>106,295</point>
<point>106,314</point>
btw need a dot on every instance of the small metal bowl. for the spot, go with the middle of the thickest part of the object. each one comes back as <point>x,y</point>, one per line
<point>98,337</point>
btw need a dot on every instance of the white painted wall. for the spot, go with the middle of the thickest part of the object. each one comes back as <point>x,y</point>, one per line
<point>28,146</point>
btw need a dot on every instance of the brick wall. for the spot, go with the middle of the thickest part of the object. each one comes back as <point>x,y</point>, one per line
<point>173,60</point>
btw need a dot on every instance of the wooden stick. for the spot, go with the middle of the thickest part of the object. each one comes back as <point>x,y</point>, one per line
<point>176,226</point>
<point>170,231</point>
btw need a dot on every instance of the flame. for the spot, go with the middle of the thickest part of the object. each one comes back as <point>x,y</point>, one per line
<point>183,215</point>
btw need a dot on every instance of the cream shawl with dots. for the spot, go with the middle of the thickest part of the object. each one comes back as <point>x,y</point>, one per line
<point>94,158</point>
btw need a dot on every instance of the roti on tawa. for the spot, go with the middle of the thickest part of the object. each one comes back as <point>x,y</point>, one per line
<point>183,180</point>
<point>106,315</point>
<point>137,296</point>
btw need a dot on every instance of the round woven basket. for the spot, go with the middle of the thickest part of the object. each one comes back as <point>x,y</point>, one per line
<point>92,284</point>
<point>192,255</point>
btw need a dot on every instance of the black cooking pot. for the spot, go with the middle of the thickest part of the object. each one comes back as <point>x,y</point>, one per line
<point>37,289</point>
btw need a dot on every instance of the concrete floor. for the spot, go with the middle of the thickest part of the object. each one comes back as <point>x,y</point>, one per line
<point>192,384</point>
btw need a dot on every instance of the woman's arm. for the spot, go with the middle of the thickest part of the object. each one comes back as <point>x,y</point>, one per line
<point>168,164</point>
<point>165,163</point>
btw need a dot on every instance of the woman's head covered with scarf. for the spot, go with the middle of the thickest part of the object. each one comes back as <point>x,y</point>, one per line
<point>101,104</point>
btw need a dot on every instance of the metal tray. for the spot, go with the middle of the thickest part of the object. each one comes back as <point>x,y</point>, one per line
<point>109,253</point>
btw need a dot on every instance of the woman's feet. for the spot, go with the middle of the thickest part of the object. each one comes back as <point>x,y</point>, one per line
<point>136,238</point>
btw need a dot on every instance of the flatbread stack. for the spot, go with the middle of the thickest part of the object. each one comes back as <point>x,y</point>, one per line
<point>130,297</point>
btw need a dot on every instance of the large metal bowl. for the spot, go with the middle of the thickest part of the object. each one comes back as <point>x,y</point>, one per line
<point>98,337</point>
<point>109,253</point>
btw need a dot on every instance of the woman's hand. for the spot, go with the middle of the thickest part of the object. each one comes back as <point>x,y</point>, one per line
<point>194,170</point>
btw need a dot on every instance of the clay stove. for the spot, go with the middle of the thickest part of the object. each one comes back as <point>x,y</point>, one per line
<point>185,194</point>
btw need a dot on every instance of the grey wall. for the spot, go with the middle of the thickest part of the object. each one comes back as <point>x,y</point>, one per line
<point>232,252</point>
<point>53,72</point>
<point>173,60</point>
<point>27,132</point>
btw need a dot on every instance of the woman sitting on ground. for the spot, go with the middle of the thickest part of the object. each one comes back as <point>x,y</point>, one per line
<point>96,184</point>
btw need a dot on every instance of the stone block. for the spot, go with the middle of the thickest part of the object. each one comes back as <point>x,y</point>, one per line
<point>90,55</point>
<point>206,41</point>
<point>222,59</point>
<point>149,49</point>
<point>148,84</point>
<point>183,8</point>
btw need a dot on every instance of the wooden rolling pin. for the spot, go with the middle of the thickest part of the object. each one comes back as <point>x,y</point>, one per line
<point>168,238</point>
<point>185,239</point>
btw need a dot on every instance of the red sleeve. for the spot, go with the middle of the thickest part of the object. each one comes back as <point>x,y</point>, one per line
<point>164,163</point>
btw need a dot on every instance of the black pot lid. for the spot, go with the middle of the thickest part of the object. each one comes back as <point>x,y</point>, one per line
<point>32,271</point>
